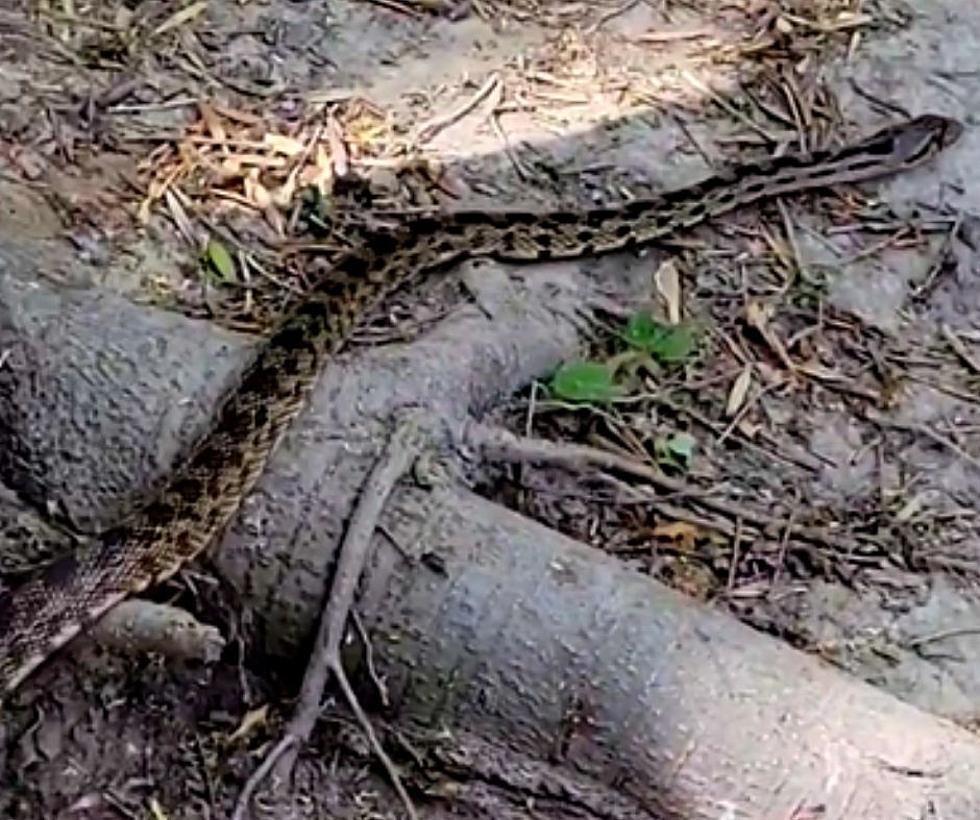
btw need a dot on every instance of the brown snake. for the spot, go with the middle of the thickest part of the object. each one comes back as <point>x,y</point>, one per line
<point>47,611</point>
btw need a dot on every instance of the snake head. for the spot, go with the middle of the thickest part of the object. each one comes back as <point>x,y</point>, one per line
<point>923,137</point>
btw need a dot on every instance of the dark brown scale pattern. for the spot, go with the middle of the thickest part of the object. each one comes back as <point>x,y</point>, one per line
<point>173,528</point>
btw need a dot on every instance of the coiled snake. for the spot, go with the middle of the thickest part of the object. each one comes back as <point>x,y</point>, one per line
<point>47,611</point>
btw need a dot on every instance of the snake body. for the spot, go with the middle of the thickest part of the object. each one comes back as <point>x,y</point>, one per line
<point>176,525</point>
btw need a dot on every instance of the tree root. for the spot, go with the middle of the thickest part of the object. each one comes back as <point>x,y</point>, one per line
<point>403,448</point>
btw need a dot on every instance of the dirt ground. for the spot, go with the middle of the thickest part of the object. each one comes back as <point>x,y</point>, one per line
<point>130,134</point>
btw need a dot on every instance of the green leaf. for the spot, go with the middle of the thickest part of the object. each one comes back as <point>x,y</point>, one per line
<point>667,343</point>
<point>642,330</point>
<point>584,381</point>
<point>681,446</point>
<point>676,450</point>
<point>674,345</point>
<point>220,260</point>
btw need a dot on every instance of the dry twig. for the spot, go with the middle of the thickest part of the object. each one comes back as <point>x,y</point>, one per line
<point>502,445</point>
<point>431,128</point>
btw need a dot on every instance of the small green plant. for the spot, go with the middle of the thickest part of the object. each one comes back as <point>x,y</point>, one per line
<point>668,344</point>
<point>584,382</point>
<point>650,344</point>
<point>675,451</point>
<point>218,262</point>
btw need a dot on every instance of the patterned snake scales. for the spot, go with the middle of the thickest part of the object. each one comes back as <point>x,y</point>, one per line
<point>46,612</point>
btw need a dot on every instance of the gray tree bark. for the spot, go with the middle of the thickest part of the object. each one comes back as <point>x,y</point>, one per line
<point>610,688</point>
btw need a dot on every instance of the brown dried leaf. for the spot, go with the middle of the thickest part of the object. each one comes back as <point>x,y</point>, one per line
<point>757,315</point>
<point>321,158</point>
<point>739,391</point>
<point>252,720</point>
<point>681,532</point>
<point>282,196</point>
<point>311,175</point>
<point>156,188</point>
<point>212,122</point>
<point>143,212</point>
<point>230,167</point>
<point>668,283</point>
<point>320,173</point>
<point>256,192</point>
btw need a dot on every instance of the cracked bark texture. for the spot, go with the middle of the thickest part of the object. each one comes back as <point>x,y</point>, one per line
<point>652,705</point>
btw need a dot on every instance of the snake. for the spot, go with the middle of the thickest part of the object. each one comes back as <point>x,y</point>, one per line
<point>198,500</point>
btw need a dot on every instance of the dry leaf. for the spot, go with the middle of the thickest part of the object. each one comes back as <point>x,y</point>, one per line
<point>143,212</point>
<point>156,187</point>
<point>281,144</point>
<point>739,391</point>
<point>668,283</point>
<point>256,192</point>
<point>311,175</point>
<point>321,158</point>
<point>252,720</point>
<point>283,195</point>
<point>212,121</point>
<point>757,315</point>
<point>850,19</point>
<point>338,151</point>
<point>682,532</point>
<point>230,168</point>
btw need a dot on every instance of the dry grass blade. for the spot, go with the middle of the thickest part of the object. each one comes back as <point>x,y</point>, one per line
<point>177,19</point>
